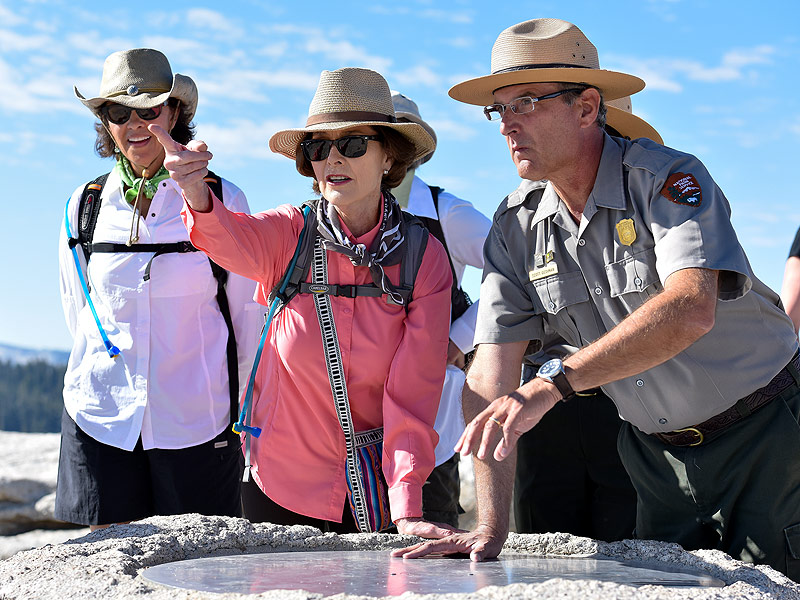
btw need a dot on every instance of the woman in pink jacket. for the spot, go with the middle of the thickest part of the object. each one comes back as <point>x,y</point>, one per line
<point>392,350</point>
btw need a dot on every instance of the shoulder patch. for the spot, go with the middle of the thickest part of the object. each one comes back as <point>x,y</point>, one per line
<point>681,188</point>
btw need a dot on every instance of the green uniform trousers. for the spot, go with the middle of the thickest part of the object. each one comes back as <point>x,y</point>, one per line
<point>738,492</point>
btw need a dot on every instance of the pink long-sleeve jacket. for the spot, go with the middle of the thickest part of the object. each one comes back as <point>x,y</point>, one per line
<point>394,364</point>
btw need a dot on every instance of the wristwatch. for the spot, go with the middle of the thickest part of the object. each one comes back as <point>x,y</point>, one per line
<point>553,371</point>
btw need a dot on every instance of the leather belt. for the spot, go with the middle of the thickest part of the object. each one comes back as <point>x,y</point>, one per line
<point>710,428</point>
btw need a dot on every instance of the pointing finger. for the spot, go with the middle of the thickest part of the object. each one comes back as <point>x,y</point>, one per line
<point>197,146</point>
<point>170,145</point>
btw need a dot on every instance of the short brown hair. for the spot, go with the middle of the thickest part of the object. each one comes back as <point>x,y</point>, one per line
<point>183,132</point>
<point>570,98</point>
<point>397,147</point>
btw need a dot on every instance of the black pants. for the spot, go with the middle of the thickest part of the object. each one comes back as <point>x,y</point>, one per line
<point>441,492</point>
<point>569,475</point>
<point>259,508</point>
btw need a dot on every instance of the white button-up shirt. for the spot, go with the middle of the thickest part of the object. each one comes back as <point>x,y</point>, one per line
<point>465,229</point>
<point>170,383</point>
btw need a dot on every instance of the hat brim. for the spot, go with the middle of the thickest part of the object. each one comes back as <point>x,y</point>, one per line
<point>287,142</point>
<point>183,89</point>
<point>631,126</point>
<point>613,84</point>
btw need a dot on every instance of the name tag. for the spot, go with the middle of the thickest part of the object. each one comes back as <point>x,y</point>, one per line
<point>221,444</point>
<point>550,269</point>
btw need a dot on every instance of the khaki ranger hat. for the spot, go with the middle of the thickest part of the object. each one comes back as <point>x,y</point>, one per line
<point>541,51</point>
<point>347,98</point>
<point>141,78</point>
<point>620,116</point>
<point>406,110</point>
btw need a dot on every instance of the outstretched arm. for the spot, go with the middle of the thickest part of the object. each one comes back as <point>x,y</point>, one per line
<point>187,165</point>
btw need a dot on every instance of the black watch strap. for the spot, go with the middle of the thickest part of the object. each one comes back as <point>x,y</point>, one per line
<point>560,381</point>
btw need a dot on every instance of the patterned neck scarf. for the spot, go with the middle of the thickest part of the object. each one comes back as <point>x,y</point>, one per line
<point>388,248</point>
<point>133,183</point>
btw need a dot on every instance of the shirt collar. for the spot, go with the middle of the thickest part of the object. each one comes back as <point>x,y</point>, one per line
<point>420,200</point>
<point>609,190</point>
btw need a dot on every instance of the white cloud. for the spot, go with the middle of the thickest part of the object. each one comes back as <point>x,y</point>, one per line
<point>345,53</point>
<point>204,18</point>
<point>454,130</point>
<point>448,15</point>
<point>9,18</point>
<point>669,75</point>
<point>242,140</point>
<point>28,142</point>
<point>418,75</point>
<point>17,42</point>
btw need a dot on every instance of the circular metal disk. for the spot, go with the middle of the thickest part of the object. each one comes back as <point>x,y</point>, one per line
<point>378,574</point>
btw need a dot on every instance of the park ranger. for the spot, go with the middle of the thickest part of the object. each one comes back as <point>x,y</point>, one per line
<point>626,249</point>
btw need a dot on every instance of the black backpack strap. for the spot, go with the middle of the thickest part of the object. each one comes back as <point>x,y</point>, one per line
<point>88,209</point>
<point>416,243</point>
<point>304,258</point>
<point>459,299</point>
<point>221,275</point>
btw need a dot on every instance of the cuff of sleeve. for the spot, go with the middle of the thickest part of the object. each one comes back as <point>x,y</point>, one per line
<point>462,333</point>
<point>192,217</point>
<point>405,501</point>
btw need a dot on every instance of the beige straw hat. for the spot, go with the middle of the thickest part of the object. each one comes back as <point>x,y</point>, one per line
<point>346,98</point>
<point>405,109</point>
<point>620,116</point>
<point>141,78</point>
<point>540,51</point>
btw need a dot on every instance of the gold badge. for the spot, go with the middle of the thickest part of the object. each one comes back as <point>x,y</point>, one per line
<point>626,232</point>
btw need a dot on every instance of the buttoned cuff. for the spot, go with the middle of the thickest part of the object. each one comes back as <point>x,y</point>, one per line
<point>405,501</point>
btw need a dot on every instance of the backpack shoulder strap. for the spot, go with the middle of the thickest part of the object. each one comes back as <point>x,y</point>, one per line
<point>214,181</point>
<point>305,256</point>
<point>88,209</point>
<point>416,243</point>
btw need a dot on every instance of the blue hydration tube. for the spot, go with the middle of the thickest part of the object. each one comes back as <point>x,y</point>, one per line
<point>239,426</point>
<point>112,350</point>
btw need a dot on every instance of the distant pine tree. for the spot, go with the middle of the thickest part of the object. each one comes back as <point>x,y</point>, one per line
<point>30,397</point>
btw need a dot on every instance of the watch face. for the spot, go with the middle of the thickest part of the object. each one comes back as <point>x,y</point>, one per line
<point>551,368</point>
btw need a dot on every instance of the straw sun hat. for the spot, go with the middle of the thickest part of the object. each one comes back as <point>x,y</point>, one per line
<point>141,78</point>
<point>620,116</point>
<point>540,51</point>
<point>348,98</point>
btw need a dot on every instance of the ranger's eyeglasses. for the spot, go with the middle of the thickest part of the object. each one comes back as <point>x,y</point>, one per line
<point>520,106</point>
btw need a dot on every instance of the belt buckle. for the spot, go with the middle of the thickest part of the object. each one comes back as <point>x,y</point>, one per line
<point>694,430</point>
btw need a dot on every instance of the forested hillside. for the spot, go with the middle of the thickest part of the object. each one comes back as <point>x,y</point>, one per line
<point>30,396</point>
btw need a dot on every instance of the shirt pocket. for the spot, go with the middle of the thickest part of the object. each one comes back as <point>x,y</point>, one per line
<point>553,294</point>
<point>634,277</point>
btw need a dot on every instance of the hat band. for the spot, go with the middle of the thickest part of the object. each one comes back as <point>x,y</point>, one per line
<point>351,115</point>
<point>139,91</point>
<point>541,66</point>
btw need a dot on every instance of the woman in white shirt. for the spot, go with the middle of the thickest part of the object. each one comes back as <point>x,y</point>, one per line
<point>151,386</point>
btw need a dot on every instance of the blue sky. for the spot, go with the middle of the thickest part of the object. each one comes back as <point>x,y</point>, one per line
<point>722,83</point>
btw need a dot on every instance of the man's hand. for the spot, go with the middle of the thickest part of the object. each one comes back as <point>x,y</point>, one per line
<point>480,544</point>
<point>506,419</point>
<point>426,529</point>
<point>187,165</point>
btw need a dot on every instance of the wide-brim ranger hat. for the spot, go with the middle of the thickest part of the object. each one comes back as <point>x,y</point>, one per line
<point>347,98</point>
<point>620,116</point>
<point>405,109</point>
<point>141,78</point>
<point>540,51</point>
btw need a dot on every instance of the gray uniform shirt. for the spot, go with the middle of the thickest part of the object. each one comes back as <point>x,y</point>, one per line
<point>652,211</point>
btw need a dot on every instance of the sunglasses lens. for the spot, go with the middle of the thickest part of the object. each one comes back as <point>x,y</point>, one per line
<point>352,147</point>
<point>315,150</point>
<point>118,114</point>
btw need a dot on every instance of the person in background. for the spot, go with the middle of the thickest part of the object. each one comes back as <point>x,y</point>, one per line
<point>569,476</point>
<point>790,290</point>
<point>388,349</point>
<point>625,248</point>
<point>462,229</point>
<point>146,422</point>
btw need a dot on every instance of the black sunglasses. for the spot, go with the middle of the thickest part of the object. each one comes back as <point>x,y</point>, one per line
<point>119,114</point>
<point>349,146</point>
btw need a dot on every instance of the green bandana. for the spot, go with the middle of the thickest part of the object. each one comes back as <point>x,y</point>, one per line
<point>130,180</point>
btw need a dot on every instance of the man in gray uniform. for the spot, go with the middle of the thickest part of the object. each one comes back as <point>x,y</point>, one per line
<point>626,250</point>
